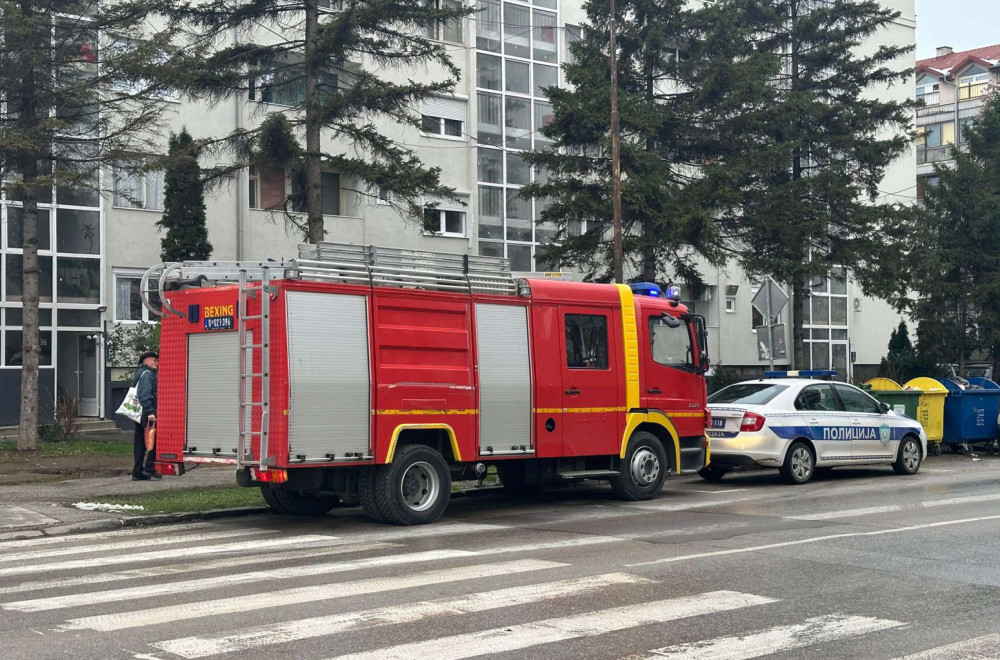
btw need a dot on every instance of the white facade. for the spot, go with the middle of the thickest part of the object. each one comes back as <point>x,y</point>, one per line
<point>506,53</point>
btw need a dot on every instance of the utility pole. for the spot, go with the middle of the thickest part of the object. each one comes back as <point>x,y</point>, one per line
<point>616,173</point>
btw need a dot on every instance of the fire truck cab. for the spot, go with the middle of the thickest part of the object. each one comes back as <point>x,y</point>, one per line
<point>375,376</point>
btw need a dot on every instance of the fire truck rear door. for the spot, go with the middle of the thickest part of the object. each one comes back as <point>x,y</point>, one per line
<point>590,376</point>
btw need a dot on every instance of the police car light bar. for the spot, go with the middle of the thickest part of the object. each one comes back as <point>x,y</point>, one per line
<point>800,374</point>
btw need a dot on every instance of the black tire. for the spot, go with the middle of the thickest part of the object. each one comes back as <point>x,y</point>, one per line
<point>713,473</point>
<point>415,488</point>
<point>643,470</point>
<point>934,448</point>
<point>800,464</point>
<point>366,494</point>
<point>908,457</point>
<point>292,503</point>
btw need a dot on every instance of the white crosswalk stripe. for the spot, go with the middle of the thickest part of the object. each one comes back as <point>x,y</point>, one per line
<point>276,599</point>
<point>526,635</point>
<point>131,543</point>
<point>34,542</point>
<point>173,553</point>
<point>812,631</point>
<point>191,586</point>
<point>848,513</point>
<point>986,647</point>
<point>191,567</point>
<point>200,647</point>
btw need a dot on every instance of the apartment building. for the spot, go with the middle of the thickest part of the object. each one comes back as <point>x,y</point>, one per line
<point>951,87</point>
<point>95,248</point>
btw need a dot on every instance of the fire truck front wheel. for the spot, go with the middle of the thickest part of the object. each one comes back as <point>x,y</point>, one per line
<point>289,502</point>
<point>415,488</point>
<point>643,469</point>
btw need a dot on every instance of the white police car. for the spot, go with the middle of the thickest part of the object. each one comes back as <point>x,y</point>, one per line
<point>799,424</point>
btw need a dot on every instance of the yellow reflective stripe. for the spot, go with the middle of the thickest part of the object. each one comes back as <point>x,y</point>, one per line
<point>630,340</point>
<point>672,413</point>
<point>428,412</point>
<point>654,417</point>
<point>404,427</point>
<point>547,411</point>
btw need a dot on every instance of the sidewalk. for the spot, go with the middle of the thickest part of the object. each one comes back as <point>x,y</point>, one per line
<point>28,510</point>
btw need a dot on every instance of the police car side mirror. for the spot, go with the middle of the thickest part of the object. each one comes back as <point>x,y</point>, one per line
<point>884,407</point>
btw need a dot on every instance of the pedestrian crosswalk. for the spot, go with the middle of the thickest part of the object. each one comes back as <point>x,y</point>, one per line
<point>450,591</point>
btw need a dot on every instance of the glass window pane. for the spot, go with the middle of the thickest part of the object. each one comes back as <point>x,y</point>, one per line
<point>516,34</point>
<point>545,76</point>
<point>545,232</point>
<point>934,135</point>
<point>548,4</point>
<point>518,217</point>
<point>490,125</point>
<point>454,222</point>
<point>80,317</point>
<point>838,334</point>
<point>490,165</point>
<point>488,25</point>
<point>820,355</point>
<point>14,281</point>
<point>573,34</point>
<point>840,359</point>
<point>330,183</point>
<point>430,124</point>
<point>520,257</point>
<point>518,171</point>
<point>488,74</point>
<point>491,213</point>
<point>82,192</point>
<point>13,356</point>
<point>453,127</point>
<point>490,249</point>
<point>78,280</point>
<point>820,334</point>
<point>838,281</point>
<point>452,30</point>
<point>543,117</point>
<point>517,77</point>
<point>518,123</point>
<point>838,311</point>
<point>820,310</point>
<point>15,228</point>
<point>855,400</point>
<point>78,231</point>
<point>15,317</point>
<point>586,341</point>
<point>128,188</point>
<point>154,190</point>
<point>128,306</point>
<point>546,41</point>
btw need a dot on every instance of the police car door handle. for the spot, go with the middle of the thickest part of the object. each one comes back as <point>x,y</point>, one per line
<point>814,420</point>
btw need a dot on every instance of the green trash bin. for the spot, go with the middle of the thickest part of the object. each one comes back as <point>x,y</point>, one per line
<point>886,390</point>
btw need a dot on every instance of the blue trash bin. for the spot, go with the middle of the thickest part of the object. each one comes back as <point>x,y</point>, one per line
<point>970,415</point>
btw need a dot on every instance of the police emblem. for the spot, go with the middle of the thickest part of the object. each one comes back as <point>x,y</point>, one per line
<point>885,434</point>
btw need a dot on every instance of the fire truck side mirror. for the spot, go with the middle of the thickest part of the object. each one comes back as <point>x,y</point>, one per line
<point>670,321</point>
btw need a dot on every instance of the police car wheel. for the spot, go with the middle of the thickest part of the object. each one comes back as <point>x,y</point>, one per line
<point>713,473</point>
<point>415,488</point>
<point>643,470</point>
<point>800,464</point>
<point>908,457</point>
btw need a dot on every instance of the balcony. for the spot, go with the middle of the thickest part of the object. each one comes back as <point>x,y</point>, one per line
<point>933,154</point>
<point>966,92</point>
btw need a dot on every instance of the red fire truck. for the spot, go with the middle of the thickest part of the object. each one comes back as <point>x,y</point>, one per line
<point>374,376</point>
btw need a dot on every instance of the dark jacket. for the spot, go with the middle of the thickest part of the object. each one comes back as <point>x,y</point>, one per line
<point>146,390</point>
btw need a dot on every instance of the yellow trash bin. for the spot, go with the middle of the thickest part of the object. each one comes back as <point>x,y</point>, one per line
<point>930,409</point>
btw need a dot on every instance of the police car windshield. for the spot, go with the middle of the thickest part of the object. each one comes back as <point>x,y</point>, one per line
<point>747,393</point>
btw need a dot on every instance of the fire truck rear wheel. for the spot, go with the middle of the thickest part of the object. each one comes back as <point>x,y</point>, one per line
<point>643,469</point>
<point>292,503</point>
<point>366,494</point>
<point>415,488</point>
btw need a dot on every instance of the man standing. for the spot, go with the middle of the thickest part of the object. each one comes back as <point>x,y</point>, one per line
<point>144,381</point>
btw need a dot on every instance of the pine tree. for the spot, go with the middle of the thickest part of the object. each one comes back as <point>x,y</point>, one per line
<point>797,184</point>
<point>664,225</point>
<point>81,82</point>
<point>956,262</point>
<point>340,68</point>
<point>184,203</point>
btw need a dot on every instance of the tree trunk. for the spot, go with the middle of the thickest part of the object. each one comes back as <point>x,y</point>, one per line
<point>27,435</point>
<point>800,298</point>
<point>314,171</point>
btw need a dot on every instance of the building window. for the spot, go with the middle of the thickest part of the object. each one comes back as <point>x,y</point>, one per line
<point>440,126</point>
<point>937,135</point>
<point>138,189</point>
<point>444,222</point>
<point>573,34</point>
<point>450,31</point>
<point>253,183</point>
<point>128,304</point>
<point>973,83</point>
<point>330,194</point>
<point>928,91</point>
<point>731,306</point>
<point>282,82</point>
<point>925,182</point>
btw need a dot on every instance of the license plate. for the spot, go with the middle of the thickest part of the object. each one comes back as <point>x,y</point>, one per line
<point>718,423</point>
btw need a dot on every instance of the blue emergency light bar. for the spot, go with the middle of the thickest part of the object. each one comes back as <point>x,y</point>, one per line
<point>800,374</point>
<point>646,289</point>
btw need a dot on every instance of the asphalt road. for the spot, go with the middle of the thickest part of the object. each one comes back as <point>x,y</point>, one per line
<point>860,564</point>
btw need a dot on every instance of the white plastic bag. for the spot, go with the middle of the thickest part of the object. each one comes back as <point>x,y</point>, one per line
<point>131,408</point>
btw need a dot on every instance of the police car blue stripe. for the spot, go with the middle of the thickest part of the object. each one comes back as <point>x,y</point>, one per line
<point>844,433</point>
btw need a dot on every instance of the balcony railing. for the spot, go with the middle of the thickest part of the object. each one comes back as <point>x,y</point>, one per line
<point>966,92</point>
<point>933,154</point>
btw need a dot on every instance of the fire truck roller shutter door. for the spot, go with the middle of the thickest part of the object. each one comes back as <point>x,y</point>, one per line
<point>328,375</point>
<point>213,401</point>
<point>504,377</point>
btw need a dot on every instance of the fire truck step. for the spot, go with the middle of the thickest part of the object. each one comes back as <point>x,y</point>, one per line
<point>588,474</point>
